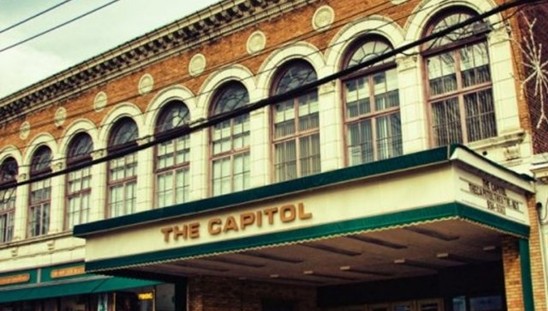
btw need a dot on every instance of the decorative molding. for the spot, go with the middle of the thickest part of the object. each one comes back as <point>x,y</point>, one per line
<point>51,245</point>
<point>498,35</point>
<point>24,130</point>
<point>146,84</point>
<point>406,62</point>
<point>100,101</point>
<point>98,154</point>
<point>328,87</point>
<point>219,20</point>
<point>197,65</point>
<point>323,18</point>
<point>256,42</point>
<point>57,165</point>
<point>60,116</point>
<point>512,152</point>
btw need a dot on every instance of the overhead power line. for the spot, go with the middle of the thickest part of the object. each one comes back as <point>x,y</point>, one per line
<point>57,26</point>
<point>34,16</point>
<point>275,99</point>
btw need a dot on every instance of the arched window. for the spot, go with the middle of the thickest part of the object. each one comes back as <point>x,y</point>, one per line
<point>8,174</point>
<point>296,135</point>
<point>172,157</point>
<point>459,87</point>
<point>230,141</point>
<point>40,193</point>
<point>78,182</point>
<point>122,171</point>
<point>371,105</point>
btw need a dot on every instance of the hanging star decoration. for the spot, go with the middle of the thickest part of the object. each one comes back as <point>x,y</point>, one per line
<point>532,60</point>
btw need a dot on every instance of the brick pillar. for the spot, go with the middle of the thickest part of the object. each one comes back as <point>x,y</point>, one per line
<point>512,274</point>
<point>523,269</point>
<point>536,260</point>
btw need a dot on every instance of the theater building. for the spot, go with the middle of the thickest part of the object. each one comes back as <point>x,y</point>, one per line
<point>284,155</point>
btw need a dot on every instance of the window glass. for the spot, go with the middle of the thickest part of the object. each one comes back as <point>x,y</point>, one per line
<point>373,126</point>
<point>40,193</point>
<point>230,169</point>
<point>459,82</point>
<point>8,174</point>
<point>296,125</point>
<point>122,171</point>
<point>78,181</point>
<point>172,157</point>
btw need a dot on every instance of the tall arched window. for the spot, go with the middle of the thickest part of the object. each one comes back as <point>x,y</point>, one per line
<point>371,103</point>
<point>8,176</point>
<point>122,171</point>
<point>230,141</point>
<point>78,182</point>
<point>172,157</point>
<point>296,135</point>
<point>459,87</point>
<point>40,193</point>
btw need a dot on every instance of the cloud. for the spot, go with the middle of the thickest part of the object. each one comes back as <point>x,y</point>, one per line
<point>24,66</point>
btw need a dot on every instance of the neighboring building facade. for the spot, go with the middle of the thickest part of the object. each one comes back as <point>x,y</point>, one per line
<point>225,162</point>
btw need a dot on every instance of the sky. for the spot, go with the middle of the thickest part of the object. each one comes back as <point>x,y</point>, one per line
<point>78,41</point>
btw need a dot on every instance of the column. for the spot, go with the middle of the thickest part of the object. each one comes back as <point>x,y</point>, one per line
<point>260,147</point>
<point>199,165</point>
<point>57,201</point>
<point>331,127</point>
<point>512,274</point>
<point>145,177</point>
<point>99,190</point>
<point>413,111</point>
<point>21,208</point>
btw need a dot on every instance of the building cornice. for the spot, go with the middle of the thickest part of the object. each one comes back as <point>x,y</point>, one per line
<point>215,21</point>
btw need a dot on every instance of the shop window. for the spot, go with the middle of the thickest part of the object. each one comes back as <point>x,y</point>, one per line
<point>122,171</point>
<point>172,157</point>
<point>230,167</point>
<point>40,193</point>
<point>8,174</point>
<point>296,134</point>
<point>458,79</point>
<point>372,105</point>
<point>78,182</point>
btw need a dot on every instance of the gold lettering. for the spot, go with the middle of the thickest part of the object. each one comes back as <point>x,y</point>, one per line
<point>14,279</point>
<point>180,232</point>
<point>166,232</point>
<point>288,213</point>
<point>65,272</point>
<point>259,219</point>
<point>269,212</point>
<point>214,226</point>
<point>302,214</point>
<point>194,230</point>
<point>246,219</point>
<point>230,224</point>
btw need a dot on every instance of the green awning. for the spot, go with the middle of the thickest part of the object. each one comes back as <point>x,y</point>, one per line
<point>75,287</point>
<point>119,283</point>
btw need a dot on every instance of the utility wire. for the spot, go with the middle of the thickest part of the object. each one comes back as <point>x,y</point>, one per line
<point>33,16</point>
<point>187,129</point>
<point>57,26</point>
<point>338,24</point>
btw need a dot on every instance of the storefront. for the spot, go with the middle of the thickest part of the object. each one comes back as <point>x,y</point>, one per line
<point>443,229</point>
<point>69,288</point>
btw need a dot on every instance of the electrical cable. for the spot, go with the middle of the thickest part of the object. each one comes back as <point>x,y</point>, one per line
<point>274,99</point>
<point>34,16</point>
<point>238,60</point>
<point>57,26</point>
